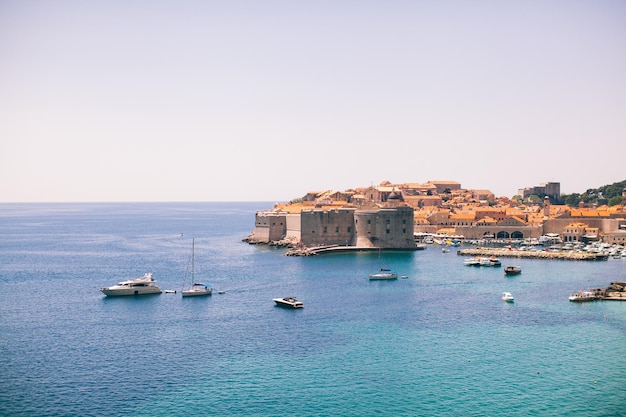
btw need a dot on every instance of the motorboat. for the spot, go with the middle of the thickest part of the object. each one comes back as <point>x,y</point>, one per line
<point>583,296</point>
<point>512,270</point>
<point>383,273</point>
<point>138,286</point>
<point>492,261</point>
<point>471,262</point>
<point>508,297</point>
<point>292,302</point>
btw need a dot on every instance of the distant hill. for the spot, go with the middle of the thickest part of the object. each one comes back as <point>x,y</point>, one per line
<point>610,195</point>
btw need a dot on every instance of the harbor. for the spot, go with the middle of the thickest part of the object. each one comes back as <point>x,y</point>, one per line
<point>514,253</point>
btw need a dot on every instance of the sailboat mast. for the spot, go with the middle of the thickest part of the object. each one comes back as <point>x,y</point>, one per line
<point>193,264</point>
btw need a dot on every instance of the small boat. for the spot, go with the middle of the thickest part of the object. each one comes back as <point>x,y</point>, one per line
<point>583,296</point>
<point>196,288</point>
<point>383,273</point>
<point>508,297</point>
<point>138,286</point>
<point>292,302</point>
<point>404,276</point>
<point>512,270</point>
<point>445,250</point>
<point>493,261</point>
<point>471,262</point>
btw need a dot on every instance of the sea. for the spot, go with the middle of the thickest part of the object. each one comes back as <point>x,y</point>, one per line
<point>439,342</point>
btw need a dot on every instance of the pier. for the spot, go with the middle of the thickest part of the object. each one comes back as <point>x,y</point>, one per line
<point>318,250</point>
<point>513,253</point>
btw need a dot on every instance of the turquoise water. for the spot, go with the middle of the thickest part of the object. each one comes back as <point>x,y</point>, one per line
<point>438,343</point>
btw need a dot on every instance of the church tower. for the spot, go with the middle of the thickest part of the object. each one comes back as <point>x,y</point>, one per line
<point>624,197</point>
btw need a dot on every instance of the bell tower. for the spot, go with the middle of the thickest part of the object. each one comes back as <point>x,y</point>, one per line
<point>624,197</point>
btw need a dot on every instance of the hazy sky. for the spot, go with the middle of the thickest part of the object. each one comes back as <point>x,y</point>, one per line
<point>267,100</point>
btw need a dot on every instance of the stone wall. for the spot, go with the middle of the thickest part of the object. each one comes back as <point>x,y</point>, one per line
<point>390,228</point>
<point>385,228</point>
<point>327,227</point>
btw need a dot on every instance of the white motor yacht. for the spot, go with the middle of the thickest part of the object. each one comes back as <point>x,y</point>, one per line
<point>508,297</point>
<point>288,302</point>
<point>138,286</point>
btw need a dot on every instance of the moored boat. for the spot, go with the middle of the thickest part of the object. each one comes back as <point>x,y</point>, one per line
<point>583,296</point>
<point>512,270</point>
<point>471,262</point>
<point>508,297</point>
<point>196,288</point>
<point>138,286</point>
<point>384,273</point>
<point>292,302</point>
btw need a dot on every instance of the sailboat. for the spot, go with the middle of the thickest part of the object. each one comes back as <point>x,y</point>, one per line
<point>383,273</point>
<point>196,288</point>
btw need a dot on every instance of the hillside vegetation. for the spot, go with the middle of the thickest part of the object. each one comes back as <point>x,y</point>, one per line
<point>610,195</point>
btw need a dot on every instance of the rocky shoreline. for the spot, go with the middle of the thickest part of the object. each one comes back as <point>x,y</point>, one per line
<point>512,253</point>
<point>616,291</point>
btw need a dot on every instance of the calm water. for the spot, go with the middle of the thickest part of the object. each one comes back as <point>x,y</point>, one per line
<point>438,343</point>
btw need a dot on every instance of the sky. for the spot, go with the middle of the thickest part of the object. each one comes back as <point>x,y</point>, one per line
<point>268,100</point>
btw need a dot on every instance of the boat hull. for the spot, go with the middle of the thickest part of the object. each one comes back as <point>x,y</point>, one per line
<point>116,292</point>
<point>288,302</point>
<point>382,277</point>
<point>197,292</point>
<point>512,270</point>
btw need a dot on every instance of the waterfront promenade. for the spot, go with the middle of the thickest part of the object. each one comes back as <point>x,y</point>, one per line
<point>513,253</point>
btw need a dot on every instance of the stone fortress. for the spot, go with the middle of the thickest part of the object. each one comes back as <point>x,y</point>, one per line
<point>389,216</point>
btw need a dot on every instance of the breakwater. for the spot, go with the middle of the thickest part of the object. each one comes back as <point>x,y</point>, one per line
<point>318,250</point>
<point>512,253</point>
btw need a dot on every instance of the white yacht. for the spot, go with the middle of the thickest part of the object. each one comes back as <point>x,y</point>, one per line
<point>289,302</point>
<point>508,297</point>
<point>138,286</point>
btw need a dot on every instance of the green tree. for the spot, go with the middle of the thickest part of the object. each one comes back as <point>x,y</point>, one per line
<point>615,201</point>
<point>572,199</point>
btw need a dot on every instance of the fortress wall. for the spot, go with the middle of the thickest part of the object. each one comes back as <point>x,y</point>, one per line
<point>385,228</point>
<point>327,227</point>
<point>366,230</point>
<point>293,227</point>
<point>269,227</point>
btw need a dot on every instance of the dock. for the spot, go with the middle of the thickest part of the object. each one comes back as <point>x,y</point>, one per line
<point>318,250</point>
<point>513,253</point>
